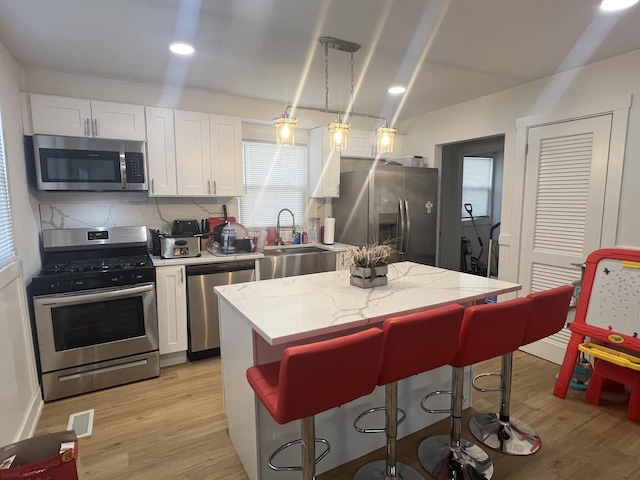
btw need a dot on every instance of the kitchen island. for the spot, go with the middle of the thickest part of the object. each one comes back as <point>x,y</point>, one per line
<point>259,320</point>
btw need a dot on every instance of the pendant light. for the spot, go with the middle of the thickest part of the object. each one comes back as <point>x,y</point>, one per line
<point>285,130</point>
<point>338,132</point>
<point>338,129</point>
<point>385,136</point>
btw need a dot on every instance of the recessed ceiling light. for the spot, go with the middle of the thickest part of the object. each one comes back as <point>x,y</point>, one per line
<point>181,48</point>
<point>613,5</point>
<point>398,89</point>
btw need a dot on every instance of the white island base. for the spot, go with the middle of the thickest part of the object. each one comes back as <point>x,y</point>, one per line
<point>259,320</point>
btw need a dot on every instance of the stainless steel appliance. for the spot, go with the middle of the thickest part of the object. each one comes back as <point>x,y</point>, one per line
<point>203,319</point>
<point>282,262</point>
<point>94,306</point>
<point>71,163</point>
<point>179,246</point>
<point>393,204</point>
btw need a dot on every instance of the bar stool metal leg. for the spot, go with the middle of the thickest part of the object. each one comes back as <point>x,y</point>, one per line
<point>500,431</point>
<point>389,469</point>
<point>450,457</point>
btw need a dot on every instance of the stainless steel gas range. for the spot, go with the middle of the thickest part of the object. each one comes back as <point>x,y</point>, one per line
<point>94,305</point>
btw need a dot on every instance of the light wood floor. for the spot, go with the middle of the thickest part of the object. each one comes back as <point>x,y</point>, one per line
<point>173,427</point>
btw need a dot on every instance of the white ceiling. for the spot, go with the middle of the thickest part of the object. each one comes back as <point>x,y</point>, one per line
<point>445,51</point>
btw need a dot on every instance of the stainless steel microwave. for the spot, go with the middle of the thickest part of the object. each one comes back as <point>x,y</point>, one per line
<point>70,163</point>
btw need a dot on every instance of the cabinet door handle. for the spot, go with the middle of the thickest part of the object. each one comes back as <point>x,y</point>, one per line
<point>87,128</point>
<point>95,127</point>
<point>208,187</point>
<point>215,188</point>
<point>182,275</point>
<point>153,187</point>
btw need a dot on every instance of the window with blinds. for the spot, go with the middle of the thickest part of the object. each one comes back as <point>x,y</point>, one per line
<point>275,177</point>
<point>6,232</point>
<point>477,182</point>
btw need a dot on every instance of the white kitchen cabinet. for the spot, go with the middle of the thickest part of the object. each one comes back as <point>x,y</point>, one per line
<point>343,261</point>
<point>324,165</point>
<point>171,299</point>
<point>360,144</point>
<point>208,154</point>
<point>193,153</point>
<point>77,117</point>
<point>226,155</point>
<point>161,152</point>
<point>363,144</point>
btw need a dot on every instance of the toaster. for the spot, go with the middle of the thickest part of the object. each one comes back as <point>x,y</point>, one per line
<point>179,246</point>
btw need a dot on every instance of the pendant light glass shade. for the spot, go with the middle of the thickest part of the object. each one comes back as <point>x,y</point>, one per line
<point>338,132</point>
<point>385,137</point>
<point>285,130</point>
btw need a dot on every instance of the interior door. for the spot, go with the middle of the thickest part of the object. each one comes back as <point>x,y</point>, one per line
<point>565,178</point>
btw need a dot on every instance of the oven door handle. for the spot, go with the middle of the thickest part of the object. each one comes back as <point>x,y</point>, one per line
<point>108,294</point>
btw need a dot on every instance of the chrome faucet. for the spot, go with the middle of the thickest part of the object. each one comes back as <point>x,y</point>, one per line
<point>293,219</point>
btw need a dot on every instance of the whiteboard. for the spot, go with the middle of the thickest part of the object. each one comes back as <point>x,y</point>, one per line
<point>614,303</point>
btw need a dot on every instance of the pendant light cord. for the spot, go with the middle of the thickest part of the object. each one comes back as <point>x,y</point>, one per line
<point>326,77</point>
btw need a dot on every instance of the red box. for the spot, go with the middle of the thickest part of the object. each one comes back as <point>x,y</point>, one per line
<point>52,456</point>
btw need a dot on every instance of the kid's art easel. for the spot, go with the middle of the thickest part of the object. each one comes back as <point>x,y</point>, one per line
<point>608,312</point>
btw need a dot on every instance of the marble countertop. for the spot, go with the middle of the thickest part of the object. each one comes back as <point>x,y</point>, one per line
<point>297,308</point>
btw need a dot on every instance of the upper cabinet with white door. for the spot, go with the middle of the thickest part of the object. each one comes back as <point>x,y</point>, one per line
<point>225,132</point>
<point>324,165</point>
<point>363,144</point>
<point>208,154</point>
<point>77,117</point>
<point>161,152</point>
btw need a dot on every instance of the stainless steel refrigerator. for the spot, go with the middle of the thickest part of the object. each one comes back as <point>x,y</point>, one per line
<point>393,204</point>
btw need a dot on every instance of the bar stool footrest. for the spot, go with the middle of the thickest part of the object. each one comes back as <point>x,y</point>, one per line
<point>376,430</point>
<point>296,468</point>
<point>433,394</point>
<point>468,462</point>
<point>484,389</point>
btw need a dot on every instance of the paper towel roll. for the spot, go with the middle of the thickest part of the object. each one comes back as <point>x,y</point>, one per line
<point>329,230</point>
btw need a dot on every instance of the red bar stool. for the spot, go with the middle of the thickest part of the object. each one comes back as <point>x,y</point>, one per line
<point>500,431</point>
<point>413,344</point>
<point>487,331</point>
<point>310,379</point>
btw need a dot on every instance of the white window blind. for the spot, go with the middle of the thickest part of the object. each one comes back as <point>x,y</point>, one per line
<point>477,182</point>
<point>275,177</point>
<point>6,233</point>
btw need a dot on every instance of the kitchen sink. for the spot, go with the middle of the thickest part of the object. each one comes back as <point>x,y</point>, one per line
<point>292,261</point>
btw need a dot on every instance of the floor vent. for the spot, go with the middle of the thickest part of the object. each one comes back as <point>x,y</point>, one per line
<point>82,423</point>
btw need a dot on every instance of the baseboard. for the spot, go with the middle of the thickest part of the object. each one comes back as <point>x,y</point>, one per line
<point>32,417</point>
<point>169,359</point>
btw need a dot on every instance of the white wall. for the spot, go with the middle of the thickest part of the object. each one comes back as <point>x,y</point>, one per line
<point>20,401</point>
<point>497,114</point>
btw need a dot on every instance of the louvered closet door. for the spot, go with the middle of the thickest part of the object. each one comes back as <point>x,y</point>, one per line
<point>566,169</point>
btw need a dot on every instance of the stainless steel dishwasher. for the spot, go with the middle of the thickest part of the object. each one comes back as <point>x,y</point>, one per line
<point>203,321</point>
